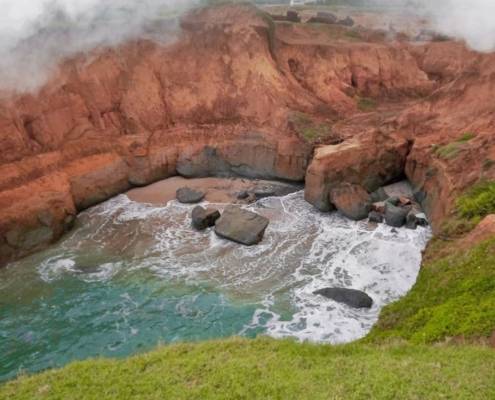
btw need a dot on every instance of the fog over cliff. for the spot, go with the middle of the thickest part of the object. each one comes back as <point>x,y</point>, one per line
<point>35,35</point>
<point>470,20</point>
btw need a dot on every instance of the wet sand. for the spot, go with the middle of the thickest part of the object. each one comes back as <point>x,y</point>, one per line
<point>218,190</point>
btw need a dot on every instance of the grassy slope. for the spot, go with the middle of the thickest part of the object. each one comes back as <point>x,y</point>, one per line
<point>454,296</point>
<point>270,369</point>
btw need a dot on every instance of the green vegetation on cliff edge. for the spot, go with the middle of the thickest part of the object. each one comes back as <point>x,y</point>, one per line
<point>471,208</point>
<point>270,369</point>
<point>453,297</point>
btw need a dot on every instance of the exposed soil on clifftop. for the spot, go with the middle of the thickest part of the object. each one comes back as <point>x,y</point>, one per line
<point>239,94</point>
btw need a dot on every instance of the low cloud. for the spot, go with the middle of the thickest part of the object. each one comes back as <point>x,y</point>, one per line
<point>35,35</point>
<point>472,21</point>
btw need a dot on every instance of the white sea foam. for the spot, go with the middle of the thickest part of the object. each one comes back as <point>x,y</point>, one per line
<point>303,250</point>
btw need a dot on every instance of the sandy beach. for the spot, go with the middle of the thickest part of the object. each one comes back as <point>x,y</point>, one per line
<point>218,190</point>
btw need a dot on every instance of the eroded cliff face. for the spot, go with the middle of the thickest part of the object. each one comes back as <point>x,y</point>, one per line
<point>223,100</point>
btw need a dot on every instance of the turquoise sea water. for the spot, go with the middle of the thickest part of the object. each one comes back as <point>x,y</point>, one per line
<point>131,276</point>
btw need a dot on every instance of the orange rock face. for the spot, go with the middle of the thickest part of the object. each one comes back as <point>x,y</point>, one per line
<point>220,101</point>
<point>369,161</point>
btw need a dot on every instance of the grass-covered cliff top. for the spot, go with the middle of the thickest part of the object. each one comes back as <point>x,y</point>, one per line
<point>270,369</point>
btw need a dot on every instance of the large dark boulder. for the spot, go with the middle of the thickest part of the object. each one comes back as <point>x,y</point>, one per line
<point>203,218</point>
<point>351,297</point>
<point>395,216</point>
<point>351,200</point>
<point>241,226</point>
<point>189,196</point>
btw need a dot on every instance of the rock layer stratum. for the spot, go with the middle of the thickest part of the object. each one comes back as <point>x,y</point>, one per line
<point>241,94</point>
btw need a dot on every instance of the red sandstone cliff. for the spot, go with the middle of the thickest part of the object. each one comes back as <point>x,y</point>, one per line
<point>221,100</point>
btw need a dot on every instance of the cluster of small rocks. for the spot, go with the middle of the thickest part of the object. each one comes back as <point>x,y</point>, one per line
<point>396,211</point>
<point>235,224</point>
<point>356,203</point>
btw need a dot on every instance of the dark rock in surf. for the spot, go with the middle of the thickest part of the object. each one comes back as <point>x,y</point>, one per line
<point>375,216</point>
<point>204,218</point>
<point>416,218</point>
<point>189,196</point>
<point>351,297</point>
<point>241,226</point>
<point>395,216</point>
<point>422,219</point>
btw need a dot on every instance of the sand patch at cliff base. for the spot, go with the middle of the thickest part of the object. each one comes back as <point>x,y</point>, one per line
<point>218,190</point>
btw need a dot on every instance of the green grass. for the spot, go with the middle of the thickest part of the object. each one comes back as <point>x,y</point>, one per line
<point>366,104</point>
<point>449,151</point>
<point>453,297</point>
<point>310,130</point>
<point>269,369</point>
<point>471,207</point>
<point>466,137</point>
<point>452,150</point>
<point>478,201</point>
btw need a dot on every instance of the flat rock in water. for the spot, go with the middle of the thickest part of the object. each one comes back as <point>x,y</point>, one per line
<point>241,226</point>
<point>189,196</point>
<point>351,297</point>
<point>274,190</point>
<point>203,218</point>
